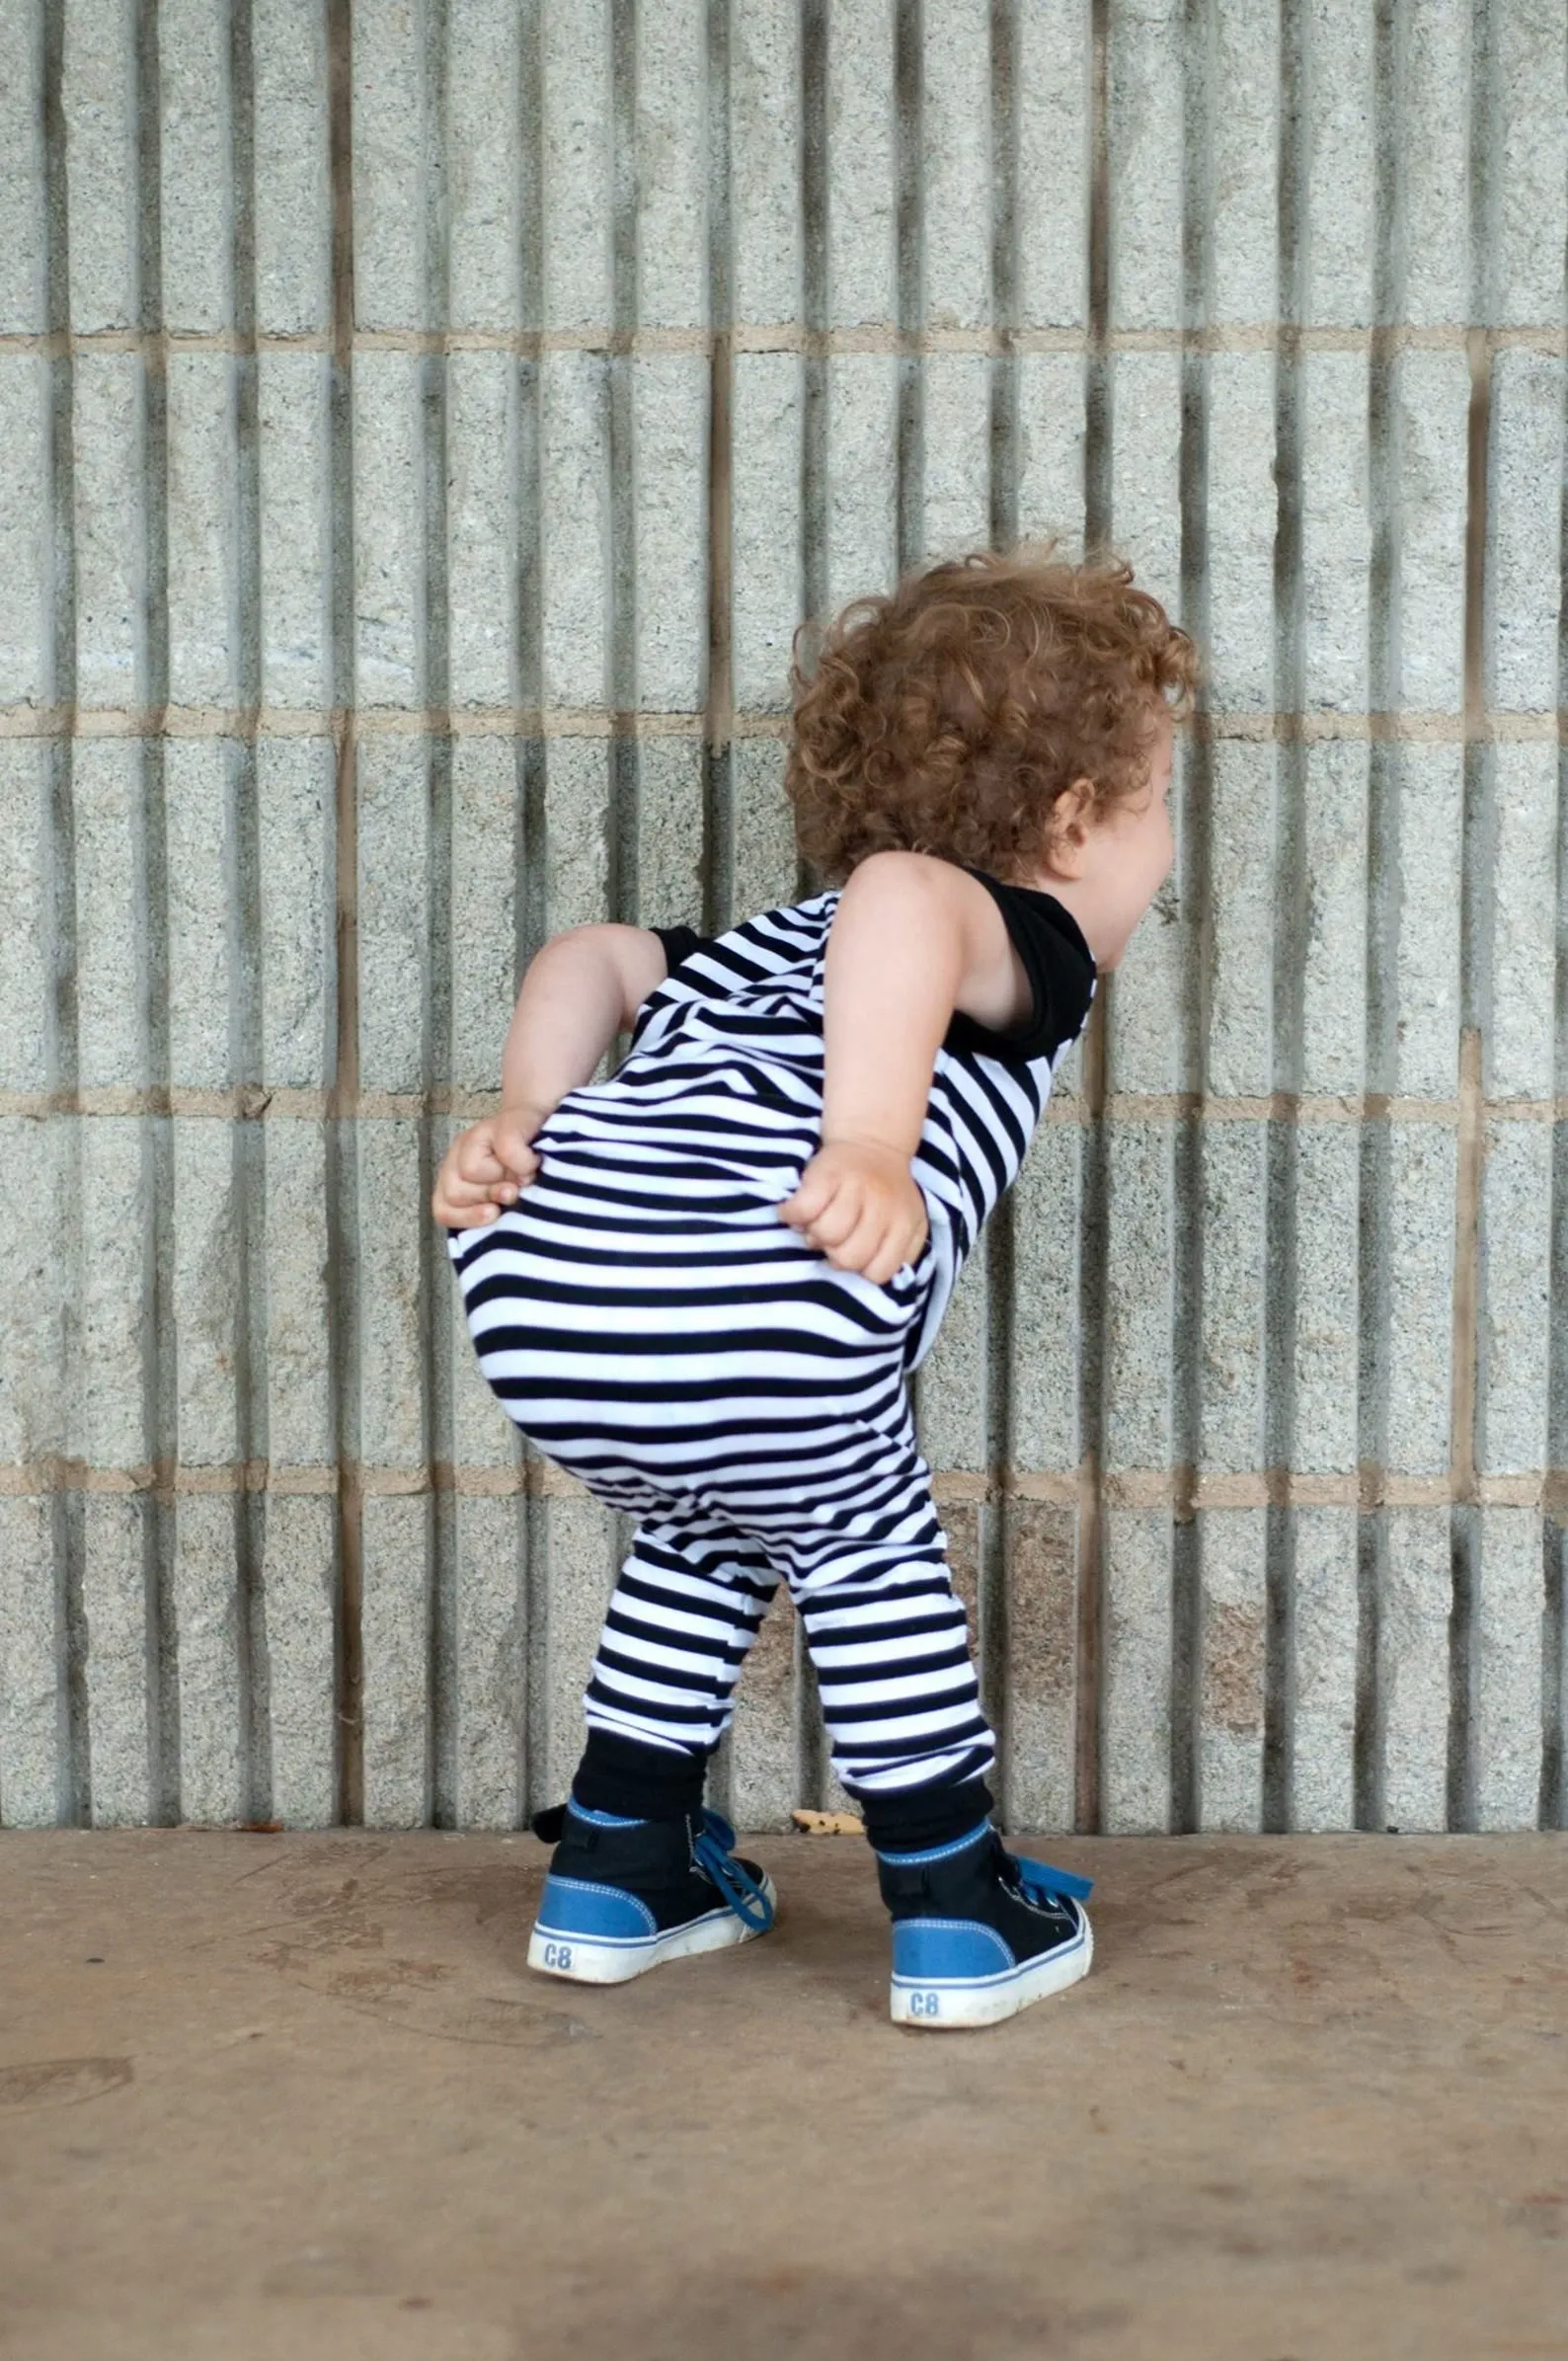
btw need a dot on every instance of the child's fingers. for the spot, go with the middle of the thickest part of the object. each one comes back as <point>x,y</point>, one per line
<point>856,1250</point>
<point>812,1198</point>
<point>475,1156</point>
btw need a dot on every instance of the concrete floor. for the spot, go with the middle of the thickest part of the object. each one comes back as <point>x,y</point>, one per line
<point>278,2097</point>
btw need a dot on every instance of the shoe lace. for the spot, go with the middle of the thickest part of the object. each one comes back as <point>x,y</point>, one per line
<point>1037,1881</point>
<point>746,1895</point>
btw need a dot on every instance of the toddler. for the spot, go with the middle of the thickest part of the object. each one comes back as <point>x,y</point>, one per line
<point>701,1285</point>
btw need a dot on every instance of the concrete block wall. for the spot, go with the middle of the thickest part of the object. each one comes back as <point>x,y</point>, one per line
<point>422,426</point>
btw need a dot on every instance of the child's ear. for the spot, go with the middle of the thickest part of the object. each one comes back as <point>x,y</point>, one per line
<point>1072,817</point>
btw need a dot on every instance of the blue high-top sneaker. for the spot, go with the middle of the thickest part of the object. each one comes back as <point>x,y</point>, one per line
<point>623,1896</point>
<point>978,1933</point>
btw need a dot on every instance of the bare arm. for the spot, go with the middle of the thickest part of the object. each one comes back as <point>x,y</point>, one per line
<point>581,990</point>
<point>913,940</point>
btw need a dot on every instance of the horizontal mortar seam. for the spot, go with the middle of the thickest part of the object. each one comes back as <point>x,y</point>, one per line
<point>1184,1490</point>
<point>865,337</point>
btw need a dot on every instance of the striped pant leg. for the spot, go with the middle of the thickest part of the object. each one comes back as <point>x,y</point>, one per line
<point>889,1638</point>
<point>683,1615</point>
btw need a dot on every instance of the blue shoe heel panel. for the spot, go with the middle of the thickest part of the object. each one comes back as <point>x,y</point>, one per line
<point>571,1905</point>
<point>948,1950</point>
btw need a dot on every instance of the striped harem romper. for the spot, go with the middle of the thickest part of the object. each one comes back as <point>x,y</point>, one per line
<point>652,1324</point>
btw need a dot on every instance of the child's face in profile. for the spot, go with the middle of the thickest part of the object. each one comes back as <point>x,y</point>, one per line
<point>1108,866</point>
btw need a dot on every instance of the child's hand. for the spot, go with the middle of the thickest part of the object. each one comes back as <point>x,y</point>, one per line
<point>858,1204</point>
<point>486,1166</point>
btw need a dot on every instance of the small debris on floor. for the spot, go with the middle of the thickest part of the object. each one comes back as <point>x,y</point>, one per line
<point>829,1824</point>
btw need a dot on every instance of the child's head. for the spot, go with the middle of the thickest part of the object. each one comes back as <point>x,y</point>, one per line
<point>980,709</point>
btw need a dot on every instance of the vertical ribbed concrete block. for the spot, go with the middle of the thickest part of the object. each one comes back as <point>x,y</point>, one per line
<point>1136,1636</point>
<point>294,531</point>
<point>577,831</point>
<point>572,1570</point>
<point>393,143</point>
<point>862,455</point>
<point>574,527</point>
<point>671,132</point>
<point>1044,1379</point>
<point>765,831</point>
<point>22,298</point>
<point>1525,268</point>
<point>111,888</point>
<point>389,571</point>
<point>116,1658</point>
<point>99,100</point>
<point>1243,84</point>
<point>27,653</point>
<point>1144,140</point>
<point>394,910</point>
<point>484,906</point>
<point>207,1281</point>
<point>108,498</point>
<point>1241,525</point>
<point>763,1764</point>
<point>1505,1734</point>
<point>1324,1601</point>
<point>395,1622</point>
<point>670,414</point>
<point>294,1315</point>
<point>482,527</point>
<point>1422,971</point>
<point>110,1424</point>
<point>1051,69</point>
<point>1513,1327</point>
<point>764,161</point>
<point>299,1580</point>
<point>1327,1157</point>
<point>1415,1601</point>
<point>206,1619</point>
<point>35,1735</point>
<point>670,839</point>
<point>1521,1037</point>
<point>576,170</point>
<point>1050,444</point>
<point>1241,891</point>
<point>862,171</point>
<point>1231,1612</point>
<point>1430,399</point>
<point>1038,1759</point>
<point>205,984</point>
<point>1433,138</point>
<point>768,592</point>
<point>1333,982</point>
<point>195,139</point>
<point>951,1387</point>
<point>957,484</point>
<point>296,829</point>
<point>292,196</point>
<point>956,163</point>
<point>1336,530</point>
<point>489,1683</point>
<point>1145,470</point>
<point>36,1303</point>
<point>25,916</point>
<point>1337,132</point>
<point>485,161</point>
<point>1523,583</point>
<point>1136,1693</point>
<point>1422,1178</point>
<point>390,1295</point>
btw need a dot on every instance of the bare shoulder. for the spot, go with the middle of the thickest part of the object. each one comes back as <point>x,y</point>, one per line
<point>925,894</point>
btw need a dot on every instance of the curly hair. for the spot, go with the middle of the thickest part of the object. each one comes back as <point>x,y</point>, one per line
<point>948,716</point>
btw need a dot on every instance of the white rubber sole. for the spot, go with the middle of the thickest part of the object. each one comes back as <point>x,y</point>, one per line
<point>590,1959</point>
<point>958,2007</point>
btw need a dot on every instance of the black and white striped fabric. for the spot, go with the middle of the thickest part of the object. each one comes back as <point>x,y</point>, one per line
<point>650,1323</point>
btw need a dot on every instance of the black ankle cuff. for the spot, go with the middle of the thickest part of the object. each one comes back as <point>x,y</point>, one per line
<point>910,1819</point>
<point>639,1782</point>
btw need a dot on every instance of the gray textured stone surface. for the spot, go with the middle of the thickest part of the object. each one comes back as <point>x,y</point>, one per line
<point>220,1254</point>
